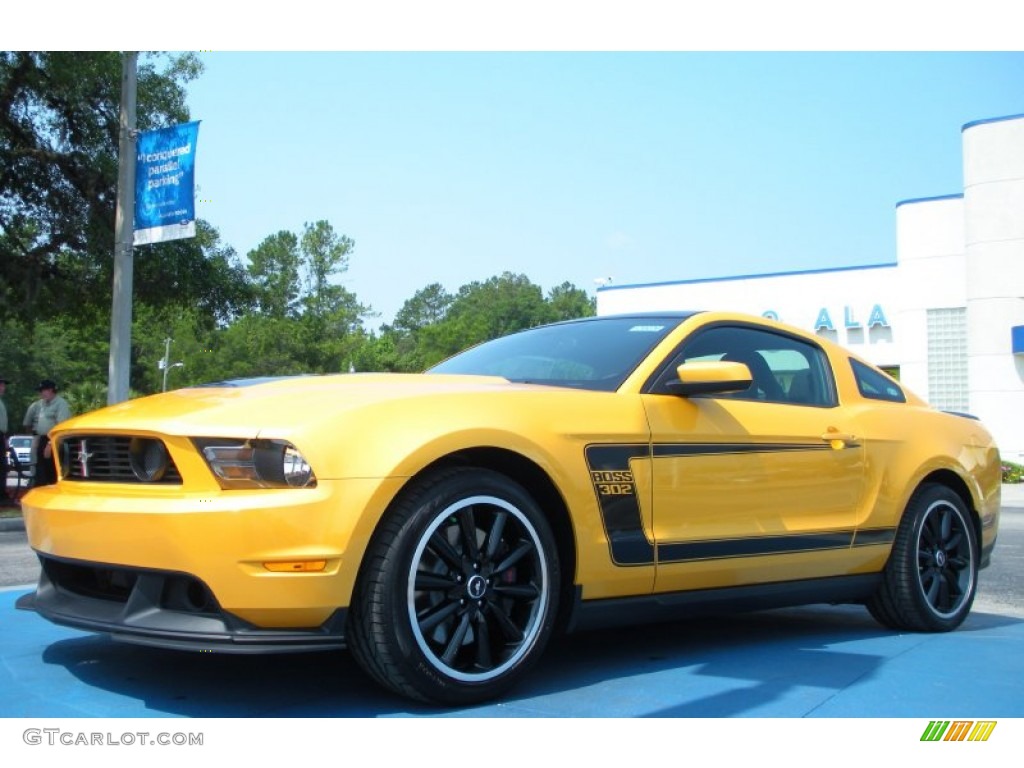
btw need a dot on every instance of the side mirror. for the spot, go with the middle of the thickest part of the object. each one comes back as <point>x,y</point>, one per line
<point>710,378</point>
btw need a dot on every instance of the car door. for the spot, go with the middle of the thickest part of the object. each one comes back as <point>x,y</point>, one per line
<point>758,486</point>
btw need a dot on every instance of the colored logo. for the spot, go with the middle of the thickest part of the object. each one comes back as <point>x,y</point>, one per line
<point>958,730</point>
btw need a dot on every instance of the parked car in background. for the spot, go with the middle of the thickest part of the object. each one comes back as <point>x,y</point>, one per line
<point>22,447</point>
<point>444,525</point>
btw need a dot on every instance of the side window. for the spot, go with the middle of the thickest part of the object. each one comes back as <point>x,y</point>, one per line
<point>876,385</point>
<point>785,369</point>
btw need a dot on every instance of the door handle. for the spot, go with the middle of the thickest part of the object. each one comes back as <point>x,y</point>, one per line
<point>839,440</point>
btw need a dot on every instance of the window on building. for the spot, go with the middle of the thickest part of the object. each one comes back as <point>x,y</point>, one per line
<point>947,359</point>
<point>892,370</point>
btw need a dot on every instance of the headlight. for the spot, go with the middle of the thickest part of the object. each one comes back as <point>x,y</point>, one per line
<point>256,463</point>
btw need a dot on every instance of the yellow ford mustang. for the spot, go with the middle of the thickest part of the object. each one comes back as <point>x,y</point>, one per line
<point>442,526</point>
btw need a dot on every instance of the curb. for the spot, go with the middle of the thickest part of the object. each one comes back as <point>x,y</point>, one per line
<point>12,524</point>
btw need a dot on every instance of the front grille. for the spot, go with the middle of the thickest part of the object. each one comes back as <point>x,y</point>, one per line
<point>104,458</point>
<point>163,589</point>
<point>87,580</point>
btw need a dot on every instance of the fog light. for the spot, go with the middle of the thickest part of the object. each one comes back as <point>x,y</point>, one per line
<point>148,458</point>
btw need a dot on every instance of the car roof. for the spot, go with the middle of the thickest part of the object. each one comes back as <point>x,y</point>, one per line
<point>676,316</point>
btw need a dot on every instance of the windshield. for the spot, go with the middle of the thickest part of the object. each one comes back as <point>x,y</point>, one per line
<point>596,353</point>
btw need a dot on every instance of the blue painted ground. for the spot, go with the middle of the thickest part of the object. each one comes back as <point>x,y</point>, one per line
<point>806,662</point>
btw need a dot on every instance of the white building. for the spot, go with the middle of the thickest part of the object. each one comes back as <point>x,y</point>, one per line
<point>947,317</point>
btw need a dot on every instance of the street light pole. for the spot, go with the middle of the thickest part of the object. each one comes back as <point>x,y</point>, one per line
<point>124,220</point>
<point>165,364</point>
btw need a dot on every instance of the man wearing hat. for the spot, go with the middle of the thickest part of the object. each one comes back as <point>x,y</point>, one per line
<point>42,416</point>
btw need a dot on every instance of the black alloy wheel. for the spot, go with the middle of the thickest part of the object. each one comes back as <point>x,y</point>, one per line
<point>931,578</point>
<point>460,595</point>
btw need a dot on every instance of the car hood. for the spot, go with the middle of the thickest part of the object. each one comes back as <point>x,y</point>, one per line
<point>245,408</point>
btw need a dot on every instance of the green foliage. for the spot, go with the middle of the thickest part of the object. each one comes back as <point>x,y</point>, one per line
<point>325,335</point>
<point>403,345</point>
<point>197,273</point>
<point>255,345</point>
<point>85,397</point>
<point>427,307</point>
<point>324,255</point>
<point>567,302</point>
<point>283,312</point>
<point>308,323</point>
<point>58,170</point>
<point>1012,473</point>
<point>58,348</point>
<point>274,270</point>
<point>434,325</point>
<point>16,364</point>
<point>482,311</point>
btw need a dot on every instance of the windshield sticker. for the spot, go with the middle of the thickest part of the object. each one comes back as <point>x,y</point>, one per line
<point>646,328</point>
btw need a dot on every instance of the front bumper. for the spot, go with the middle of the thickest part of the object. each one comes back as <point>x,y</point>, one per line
<point>115,559</point>
<point>166,610</point>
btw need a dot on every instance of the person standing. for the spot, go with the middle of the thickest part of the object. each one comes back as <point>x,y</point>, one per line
<point>4,498</point>
<point>42,416</point>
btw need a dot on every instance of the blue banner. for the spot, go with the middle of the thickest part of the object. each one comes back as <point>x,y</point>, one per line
<point>165,206</point>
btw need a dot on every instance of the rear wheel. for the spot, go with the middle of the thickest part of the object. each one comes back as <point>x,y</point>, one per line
<point>458,592</point>
<point>931,577</point>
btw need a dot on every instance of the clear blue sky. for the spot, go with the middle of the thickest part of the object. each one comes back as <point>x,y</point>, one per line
<point>645,167</point>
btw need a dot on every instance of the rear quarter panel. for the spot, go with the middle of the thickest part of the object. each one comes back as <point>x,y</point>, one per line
<point>908,443</point>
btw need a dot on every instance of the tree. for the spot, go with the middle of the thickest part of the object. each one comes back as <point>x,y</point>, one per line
<point>274,268</point>
<point>324,256</point>
<point>296,283</point>
<point>255,345</point>
<point>497,307</point>
<point>401,346</point>
<point>427,307</point>
<point>482,311</point>
<point>433,324</point>
<point>59,347</point>
<point>194,273</point>
<point>567,302</point>
<point>58,169</point>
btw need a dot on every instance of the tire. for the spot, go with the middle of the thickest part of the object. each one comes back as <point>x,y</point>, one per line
<point>931,578</point>
<point>457,595</point>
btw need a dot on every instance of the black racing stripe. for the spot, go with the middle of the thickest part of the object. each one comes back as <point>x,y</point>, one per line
<point>668,450</point>
<point>874,537</point>
<point>682,552</point>
<point>252,382</point>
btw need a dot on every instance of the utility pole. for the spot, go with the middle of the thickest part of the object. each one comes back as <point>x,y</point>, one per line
<point>124,225</point>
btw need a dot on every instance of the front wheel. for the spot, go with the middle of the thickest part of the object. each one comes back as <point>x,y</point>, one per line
<point>932,574</point>
<point>457,595</point>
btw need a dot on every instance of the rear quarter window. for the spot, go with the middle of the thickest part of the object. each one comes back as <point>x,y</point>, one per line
<point>875,385</point>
